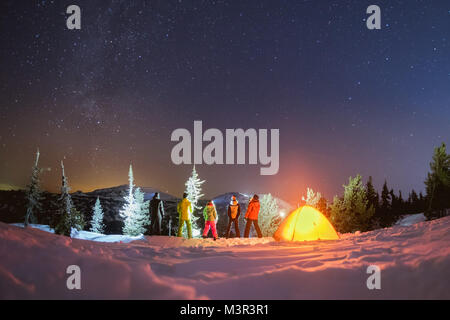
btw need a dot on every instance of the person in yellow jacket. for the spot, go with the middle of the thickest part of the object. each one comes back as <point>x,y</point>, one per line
<point>184,209</point>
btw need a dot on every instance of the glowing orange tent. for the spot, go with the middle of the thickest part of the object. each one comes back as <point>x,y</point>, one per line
<point>305,224</point>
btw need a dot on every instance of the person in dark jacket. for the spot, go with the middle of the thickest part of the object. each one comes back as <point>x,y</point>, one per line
<point>156,214</point>
<point>234,211</point>
<point>252,216</point>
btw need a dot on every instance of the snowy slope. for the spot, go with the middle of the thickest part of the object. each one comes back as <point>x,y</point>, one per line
<point>414,262</point>
<point>411,219</point>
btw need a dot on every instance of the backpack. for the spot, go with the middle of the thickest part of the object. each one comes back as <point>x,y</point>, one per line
<point>234,210</point>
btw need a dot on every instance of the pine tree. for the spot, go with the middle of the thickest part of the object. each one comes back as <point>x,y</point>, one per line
<point>312,198</point>
<point>337,214</point>
<point>395,205</point>
<point>384,211</point>
<point>70,217</point>
<point>97,225</point>
<point>193,188</point>
<point>136,223</point>
<point>129,199</point>
<point>135,210</point>
<point>194,193</point>
<point>385,197</point>
<point>401,204</point>
<point>413,202</point>
<point>269,217</point>
<point>372,195</point>
<point>33,194</point>
<point>323,207</point>
<point>352,213</point>
<point>438,183</point>
<point>422,202</point>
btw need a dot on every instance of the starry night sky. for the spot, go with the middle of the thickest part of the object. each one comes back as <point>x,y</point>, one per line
<point>347,100</point>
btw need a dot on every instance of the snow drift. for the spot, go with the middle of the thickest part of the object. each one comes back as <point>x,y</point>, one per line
<point>87,235</point>
<point>414,262</point>
<point>411,219</point>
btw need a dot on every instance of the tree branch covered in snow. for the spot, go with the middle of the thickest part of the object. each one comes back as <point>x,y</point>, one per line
<point>312,198</point>
<point>269,217</point>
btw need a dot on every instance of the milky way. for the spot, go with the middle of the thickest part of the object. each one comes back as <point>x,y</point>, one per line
<point>346,99</point>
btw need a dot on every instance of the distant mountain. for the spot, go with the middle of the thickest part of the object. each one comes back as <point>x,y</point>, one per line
<point>120,191</point>
<point>226,197</point>
<point>8,187</point>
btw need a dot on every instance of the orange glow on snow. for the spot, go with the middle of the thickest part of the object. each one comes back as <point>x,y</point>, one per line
<point>305,224</point>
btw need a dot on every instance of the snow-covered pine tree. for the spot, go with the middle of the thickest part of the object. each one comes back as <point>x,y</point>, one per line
<point>142,215</point>
<point>33,193</point>
<point>135,210</point>
<point>70,217</point>
<point>129,205</point>
<point>194,188</point>
<point>127,209</point>
<point>312,198</point>
<point>194,192</point>
<point>352,212</point>
<point>97,225</point>
<point>269,217</point>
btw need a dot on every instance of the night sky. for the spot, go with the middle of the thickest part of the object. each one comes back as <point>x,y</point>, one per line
<point>346,99</point>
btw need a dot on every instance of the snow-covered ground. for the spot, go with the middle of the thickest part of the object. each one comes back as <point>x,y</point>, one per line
<point>411,219</point>
<point>86,235</point>
<point>414,262</point>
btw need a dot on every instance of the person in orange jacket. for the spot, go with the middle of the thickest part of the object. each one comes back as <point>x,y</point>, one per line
<point>234,211</point>
<point>252,217</point>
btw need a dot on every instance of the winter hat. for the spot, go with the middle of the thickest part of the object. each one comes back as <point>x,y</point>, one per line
<point>255,197</point>
<point>185,195</point>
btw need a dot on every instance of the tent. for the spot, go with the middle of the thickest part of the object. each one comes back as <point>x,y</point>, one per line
<point>305,224</point>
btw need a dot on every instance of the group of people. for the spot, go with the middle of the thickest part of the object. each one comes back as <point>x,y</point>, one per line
<point>185,209</point>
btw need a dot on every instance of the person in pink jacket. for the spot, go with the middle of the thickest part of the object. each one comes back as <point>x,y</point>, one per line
<point>210,215</point>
